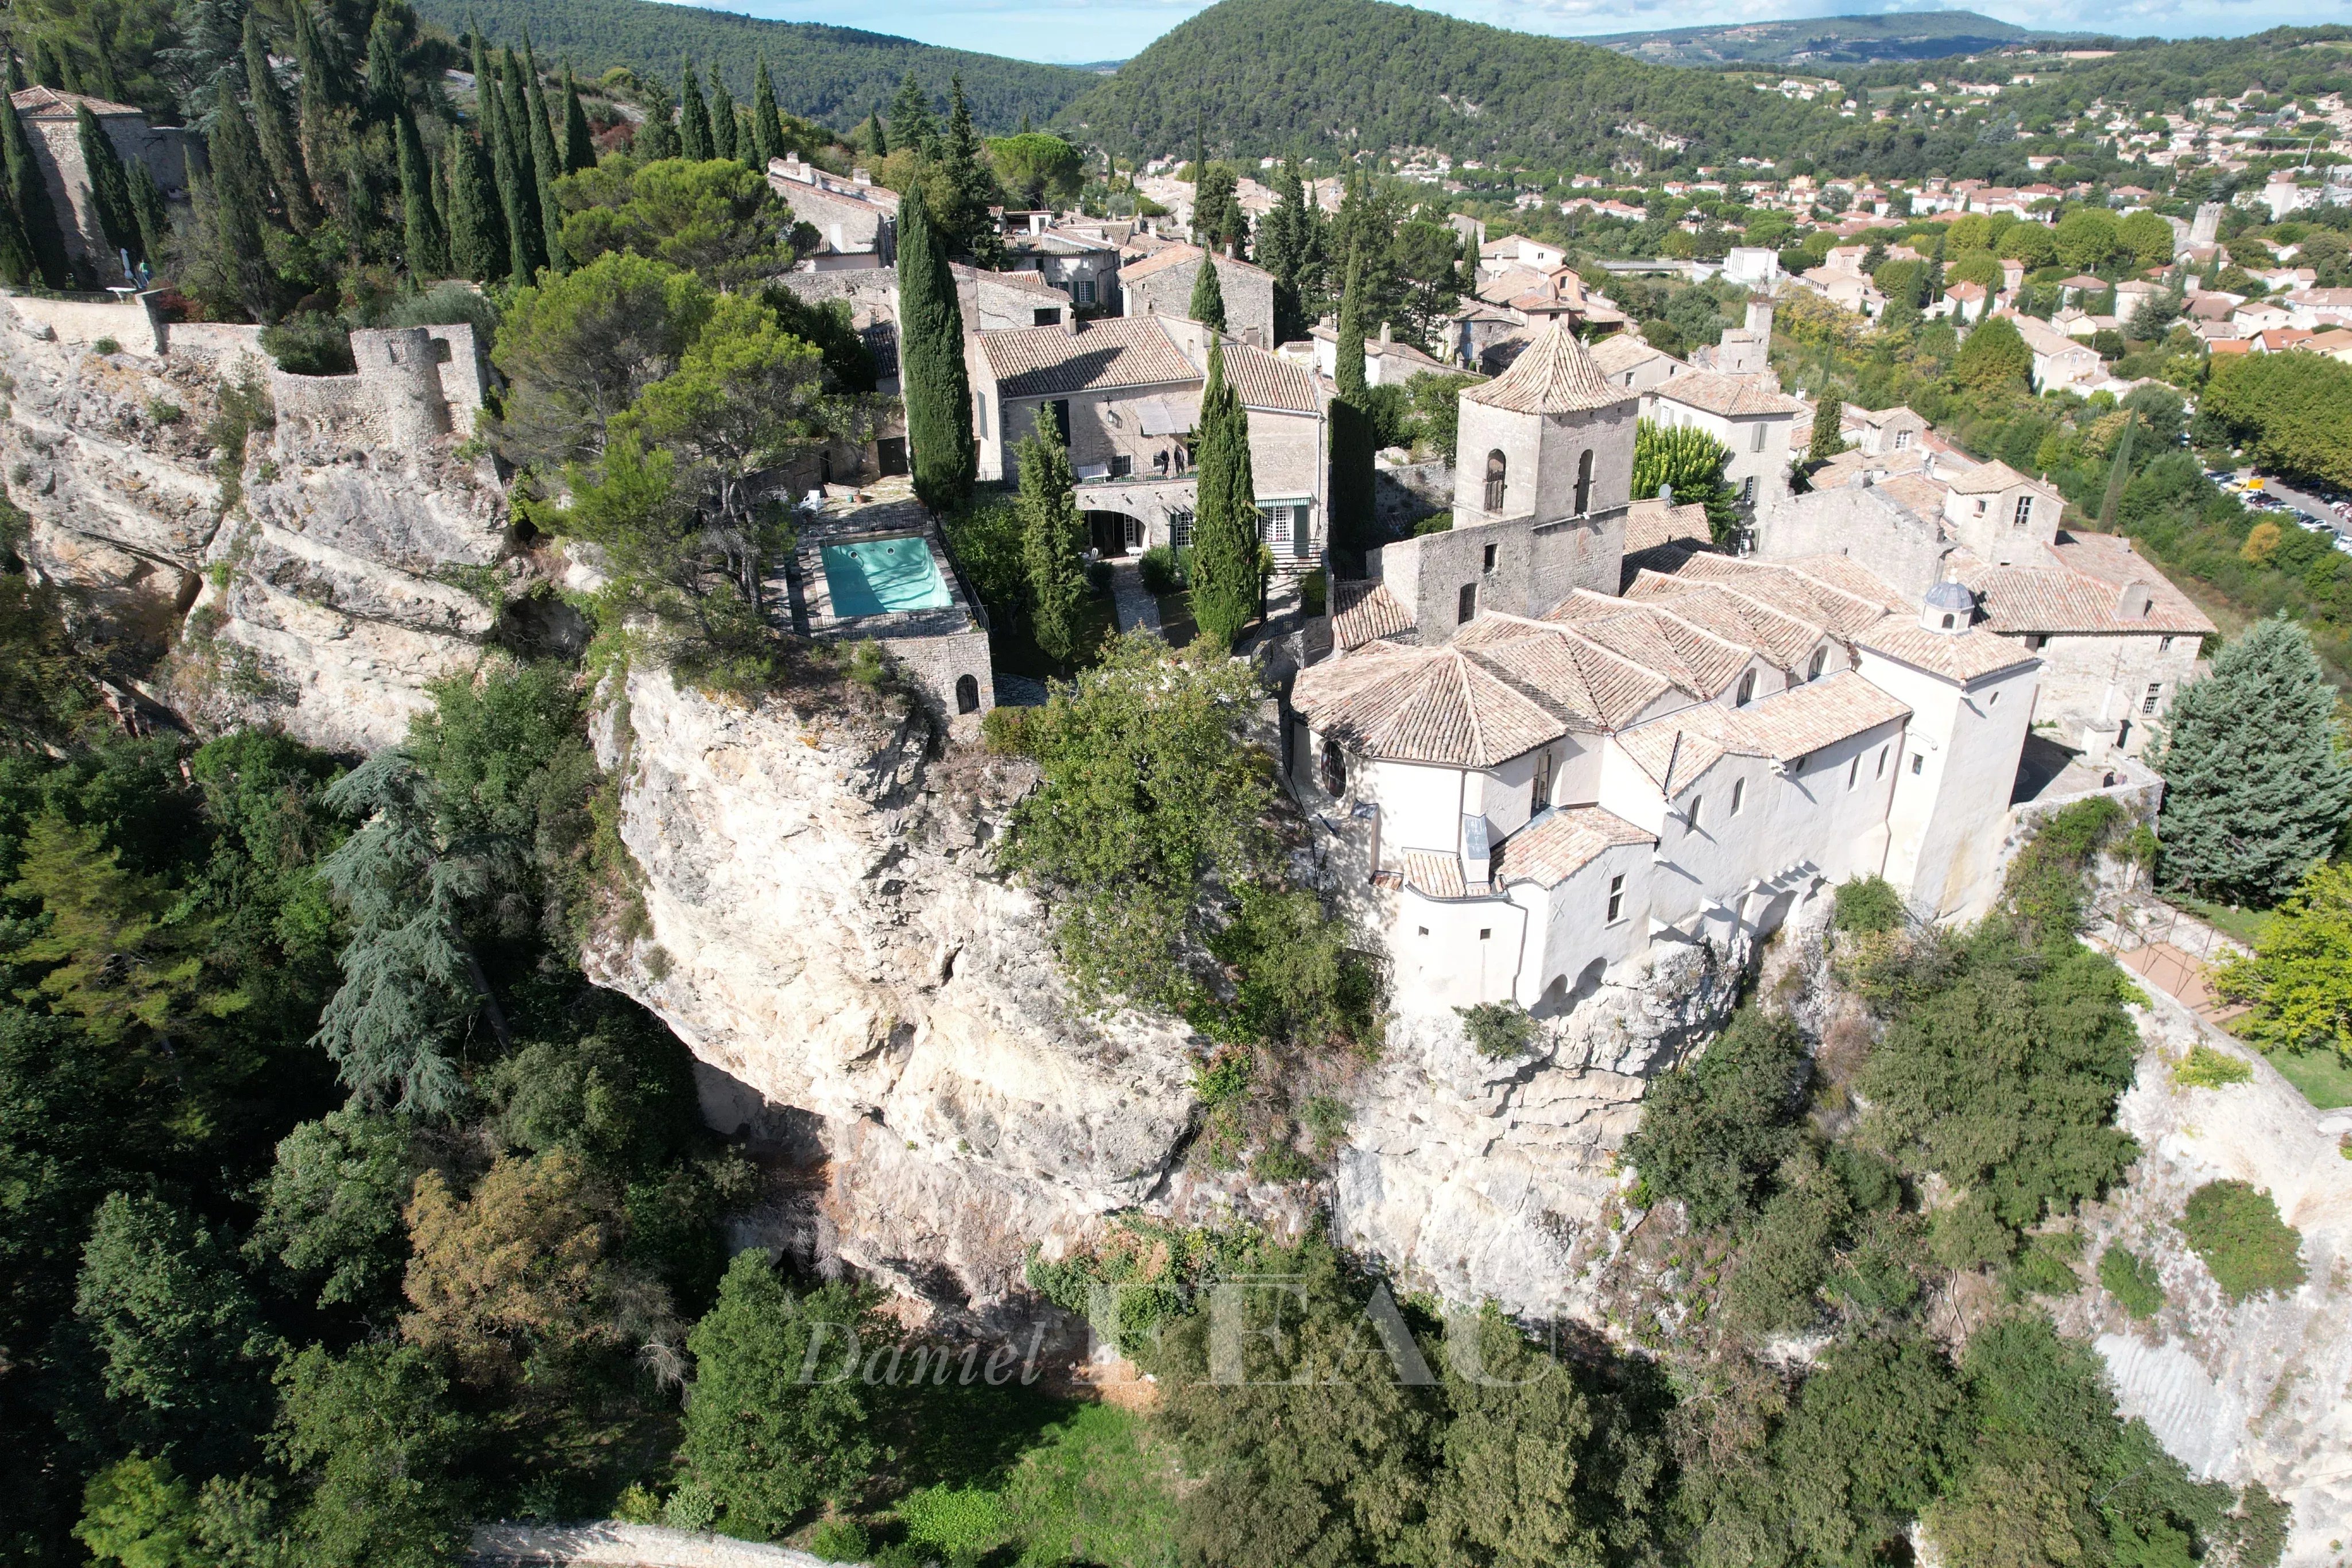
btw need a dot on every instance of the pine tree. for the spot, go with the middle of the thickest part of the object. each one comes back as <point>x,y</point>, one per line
<point>477,227</point>
<point>1053,537</point>
<point>937,390</point>
<point>237,221</point>
<point>273,127</point>
<point>2255,793</point>
<point>578,144</point>
<point>912,127</point>
<point>109,184</point>
<point>545,164</point>
<point>428,242</point>
<point>28,192</point>
<point>1225,582</point>
<point>723,128</point>
<point>693,119</point>
<point>767,125</point>
<point>1208,306</point>
<point>1828,414</point>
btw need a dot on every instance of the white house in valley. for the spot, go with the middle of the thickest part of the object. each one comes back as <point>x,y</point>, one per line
<point>1539,758</point>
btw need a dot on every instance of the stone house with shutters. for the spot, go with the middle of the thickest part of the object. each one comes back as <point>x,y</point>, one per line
<point>1161,284</point>
<point>1536,756</point>
<point>1759,425</point>
<point>1126,393</point>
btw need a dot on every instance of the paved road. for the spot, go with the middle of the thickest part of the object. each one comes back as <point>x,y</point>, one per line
<point>1138,609</point>
<point>2306,501</point>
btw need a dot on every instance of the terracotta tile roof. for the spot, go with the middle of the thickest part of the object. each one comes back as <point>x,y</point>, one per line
<point>1787,725</point>
<point>2083,594</point>
<point>1687,650</point>
<point>1915,492</point>
<point>1733,397</point>
<point>1174,256</point>
<point>1652,524</point>
<point>1269,380</point>
<point>1559,843</point>
<point>1988,477</point>
<point>1971,655</point>
<point>1623,351</point>
<point>1827,591</point>
<point>47,103</point>
<point>1364,613</point>
<point>1027,282</point>
<point>1587,683</point>
<point>1422,704</point>
<point>1433,872</point>
<point>1555,375</point>
<point>1048,362</point>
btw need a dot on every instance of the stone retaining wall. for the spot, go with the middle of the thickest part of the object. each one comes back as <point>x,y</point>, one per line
<point>608,1544</point>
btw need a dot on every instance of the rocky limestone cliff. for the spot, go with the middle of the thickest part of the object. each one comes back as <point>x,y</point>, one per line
<point>2260,1390</point>
<point>827,930</point>
<point>335,583</point>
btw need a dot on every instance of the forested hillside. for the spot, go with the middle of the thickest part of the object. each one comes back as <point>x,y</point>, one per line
<point>835,74</point>
<point>1276,75</point>
<point>1926,35</point>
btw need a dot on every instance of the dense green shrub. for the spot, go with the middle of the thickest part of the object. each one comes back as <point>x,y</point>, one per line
<point>1714,1130</point>
<point>1158,570</point>
<point>2132,1281</point>
<point>1498,1029</point>
<point>2235,1228</point>
<point>1868,905</point>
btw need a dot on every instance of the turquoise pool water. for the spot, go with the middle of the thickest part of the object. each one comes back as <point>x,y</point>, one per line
<point>881,576</point>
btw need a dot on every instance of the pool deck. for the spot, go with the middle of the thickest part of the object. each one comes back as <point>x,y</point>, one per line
<point>845,520</point>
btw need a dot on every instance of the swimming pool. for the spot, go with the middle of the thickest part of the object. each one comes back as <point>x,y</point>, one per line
<point>882,577</point>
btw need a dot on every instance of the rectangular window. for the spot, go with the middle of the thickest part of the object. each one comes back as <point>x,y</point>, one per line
<point>1274,527</point>
<point>2147,703</point>
<point>1853,771</point>
<point>1121,465</point>
<point>1084,292</point>
<point>1486,933</point>
<point>1487,565</point>
<point>1690,817</point>
<point>1616,899</point>
<point>1467,605</point>
<point>2164,644</point>
<point>1738,795</point>
<point>1882,762</point>
<point>1045,315</point>
<point>1918,764</point>
<point>1756,438</point>
<point>1180,531</point>
<point>2024,518</point>
<point>1747,491</point>
<point>2036,642</point>
<point>980,410</point>
<point>1902,439</point>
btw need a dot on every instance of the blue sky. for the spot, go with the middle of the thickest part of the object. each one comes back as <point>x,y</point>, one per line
<point>1082,30</point>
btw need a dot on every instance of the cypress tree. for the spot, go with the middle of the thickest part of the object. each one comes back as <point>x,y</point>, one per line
<point>518,181</point>
<point>877,139</point>
<point>321,71</point>
<point>477,228</point>
<point>28,193</point>
<point>1352,504</point>
<point>1053,537</point>
<point>18,266</point>
<point>110,185</point>
<point>47,66</point>
<point>965,162</point>
<point>273,127</point>
<point>155,217</point>
<point>656,137</point>
<point>1827,442</point>
<point>2254,790</point>
<point>1224,574</point>
<point>428,242</point>
<point>723,128</point>
<point>693,119</point>
<point>936,388</point>
<point>767,125</point>
<point>237,190</point>
<point>579,145</point>
<point>1208,306</point>
<point>545,165</point>
<point>386,95</point>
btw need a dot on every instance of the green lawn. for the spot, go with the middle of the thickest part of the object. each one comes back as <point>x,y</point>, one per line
<point>1176,618</point>
<point>2322,1076</point>
<point>1098,1489</point>
<point>2246,924</point>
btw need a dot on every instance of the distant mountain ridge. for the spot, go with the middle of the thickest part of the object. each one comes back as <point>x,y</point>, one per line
<point>1828,40</point>
<point>833,75</point>
<point>1268,76</point>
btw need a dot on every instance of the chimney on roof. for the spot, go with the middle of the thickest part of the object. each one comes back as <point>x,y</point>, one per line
<point>1036,223</point>
<point>860,177</point>
<point>1665,494</point>
<point>2135,602</point>
<point>1385,332</point>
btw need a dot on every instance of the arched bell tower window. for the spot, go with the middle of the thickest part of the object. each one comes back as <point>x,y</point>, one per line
<point>1335,769</point>
<point>1584,483</point>
<point>1495,468</point>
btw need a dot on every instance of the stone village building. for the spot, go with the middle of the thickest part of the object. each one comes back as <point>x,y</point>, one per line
<point>55,131</point>
<point>1126,393</point>
<point>1556,736</point>
<point>1161,284</point>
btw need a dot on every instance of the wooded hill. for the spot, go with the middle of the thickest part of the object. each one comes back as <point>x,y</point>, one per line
<point>1268,76</point>
<point>836,75</point>
<point>1822,40</point>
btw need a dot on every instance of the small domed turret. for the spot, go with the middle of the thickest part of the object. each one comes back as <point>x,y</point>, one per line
<point>1949,608</point>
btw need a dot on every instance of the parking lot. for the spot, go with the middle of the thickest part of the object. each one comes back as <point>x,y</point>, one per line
<point>2321,511</point>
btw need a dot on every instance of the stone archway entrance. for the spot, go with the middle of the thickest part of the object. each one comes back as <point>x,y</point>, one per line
<point>1114,534</point>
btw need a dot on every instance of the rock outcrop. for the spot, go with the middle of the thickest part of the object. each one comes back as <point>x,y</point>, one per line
<point>2255,1390</point>
<point>304,580</point>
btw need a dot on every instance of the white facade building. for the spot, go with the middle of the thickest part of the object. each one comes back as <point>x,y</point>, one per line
<point>1541,763</point>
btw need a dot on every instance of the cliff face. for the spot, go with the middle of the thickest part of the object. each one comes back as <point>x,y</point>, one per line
<point>2260,1389</point>
<point>323,585</point>
<point>827,930</point>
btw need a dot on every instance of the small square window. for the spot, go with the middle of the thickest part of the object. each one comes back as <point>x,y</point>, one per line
<point>1424,930</point>
<point>1919,763</point>
<point>1485,932</point>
